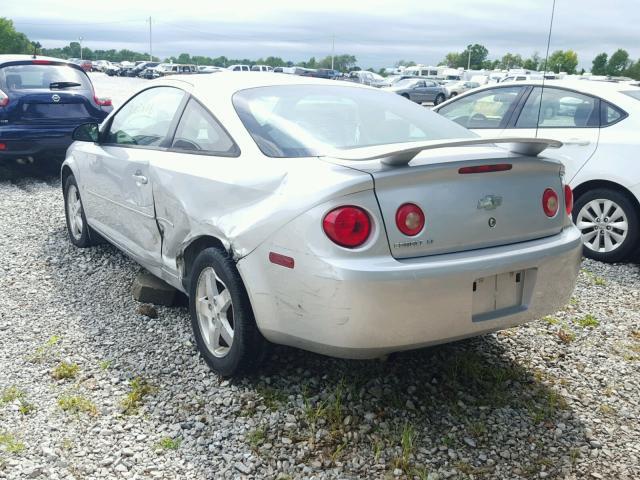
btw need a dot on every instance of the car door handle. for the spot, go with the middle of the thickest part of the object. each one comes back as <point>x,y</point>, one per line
<point>577,141</point>
<point>141,179</point>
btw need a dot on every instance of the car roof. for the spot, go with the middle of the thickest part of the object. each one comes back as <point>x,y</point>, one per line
<point>22,58</point>
<point>227,83</point>
<point>593,87</point>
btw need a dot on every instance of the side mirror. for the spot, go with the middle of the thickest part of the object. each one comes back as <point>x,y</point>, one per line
<point>87,132</point>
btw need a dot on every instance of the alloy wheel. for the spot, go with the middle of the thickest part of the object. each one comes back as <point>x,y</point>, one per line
<point>603,224</point>
<point>214,309</point>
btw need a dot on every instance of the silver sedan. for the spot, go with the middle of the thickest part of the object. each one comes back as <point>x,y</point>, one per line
<point>331,217</point>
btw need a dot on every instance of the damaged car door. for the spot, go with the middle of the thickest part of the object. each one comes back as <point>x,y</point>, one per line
<point>121,196</point>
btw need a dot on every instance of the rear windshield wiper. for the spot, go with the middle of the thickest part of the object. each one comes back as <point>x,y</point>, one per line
<point>53,85</point>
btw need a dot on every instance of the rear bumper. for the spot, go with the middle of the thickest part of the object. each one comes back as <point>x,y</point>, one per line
<point>365,308</point>
<point>26,140</point>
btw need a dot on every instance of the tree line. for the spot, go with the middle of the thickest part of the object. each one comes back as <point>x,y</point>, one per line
<point>475,56</point>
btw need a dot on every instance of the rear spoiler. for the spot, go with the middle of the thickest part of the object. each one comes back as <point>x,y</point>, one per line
<point>402,153</point>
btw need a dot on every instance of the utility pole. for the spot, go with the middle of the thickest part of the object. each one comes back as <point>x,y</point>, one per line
<point>333,49</point>
<point>150,41</point>
<point>80,41</point>
<point>469,61</point>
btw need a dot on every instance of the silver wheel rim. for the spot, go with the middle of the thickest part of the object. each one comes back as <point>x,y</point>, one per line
<point>603,224</point>
<point>74,212</point>
<point>215,313</point>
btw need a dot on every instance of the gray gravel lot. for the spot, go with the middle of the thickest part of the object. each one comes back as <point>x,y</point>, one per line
<point>91,388</point>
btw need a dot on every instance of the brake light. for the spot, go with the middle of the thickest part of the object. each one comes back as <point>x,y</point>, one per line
<point>41,62</point>
<point>347,226</point>
<point>3,146</point>
<point>499,167</point>
<point>568,199</point>
<point>102,102</point>
<point>410,219</point>
<point>550,202</point>
<point>4,99</point>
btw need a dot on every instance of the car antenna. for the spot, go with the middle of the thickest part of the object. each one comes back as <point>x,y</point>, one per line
<point>546,61</point>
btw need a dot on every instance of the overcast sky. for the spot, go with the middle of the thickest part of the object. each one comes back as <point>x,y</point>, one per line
<point>377,32</point>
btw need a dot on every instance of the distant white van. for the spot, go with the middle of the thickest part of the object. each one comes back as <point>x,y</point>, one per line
<point>239,68</point>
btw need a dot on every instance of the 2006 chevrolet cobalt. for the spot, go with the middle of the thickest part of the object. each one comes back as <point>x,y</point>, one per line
<point>332,217</point>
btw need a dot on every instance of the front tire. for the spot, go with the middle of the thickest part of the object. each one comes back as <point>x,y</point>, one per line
<point>221,315</point>
<point>609,224</point>
<point>77,226</point>
<point>439,99</point>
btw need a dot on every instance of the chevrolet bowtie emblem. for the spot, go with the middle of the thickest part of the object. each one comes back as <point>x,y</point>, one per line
<point>489,202</point>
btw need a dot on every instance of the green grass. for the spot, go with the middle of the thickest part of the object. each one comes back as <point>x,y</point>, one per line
<point>11,394</point>
<point>65,371</point>
<point>168,443</point>
<point>77,404</point>
<point>43,349</point>
<point>257,437</point>
<point>550,320</point>
<point>139,389</point>
<point>10,443</point>
<point>105,364</point>
<point>599,281</point>
<point>271,397</point>
<point>407,446</point>
<point>588,321</point>
<point>25,408</point>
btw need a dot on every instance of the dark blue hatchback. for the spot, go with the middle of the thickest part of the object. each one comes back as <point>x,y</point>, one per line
<point>42,100</point>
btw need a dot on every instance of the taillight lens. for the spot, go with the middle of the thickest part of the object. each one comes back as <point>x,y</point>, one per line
<point>410,219</point>
<point>568,199</point>
<point>103,102</point>
<point>347,226</point>
<point>4,99</point>
<point>550,202</point>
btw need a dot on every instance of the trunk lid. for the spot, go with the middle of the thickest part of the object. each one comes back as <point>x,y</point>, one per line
<point>467,211</point>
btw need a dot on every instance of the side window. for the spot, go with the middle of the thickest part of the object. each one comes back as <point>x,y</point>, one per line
<point>198,131</point>
<point>146,118</point>
<point>609,114</point>
<point>486,109</point>
<point>559,109</point>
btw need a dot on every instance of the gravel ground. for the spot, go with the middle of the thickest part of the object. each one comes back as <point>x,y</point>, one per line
<point>93,388</point>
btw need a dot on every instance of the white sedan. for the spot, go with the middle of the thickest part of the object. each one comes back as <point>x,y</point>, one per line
<point>598,124</point>
<point>324,215</point>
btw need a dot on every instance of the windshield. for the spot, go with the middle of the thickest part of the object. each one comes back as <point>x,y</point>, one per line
<point>40,77</point>
<point>406,83</point>
<point>632,93</point>
<point>310,120</point>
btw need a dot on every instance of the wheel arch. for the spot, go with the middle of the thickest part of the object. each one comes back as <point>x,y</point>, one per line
<point>593,184</point>
<point>65,173</point>
<point>191,250</point>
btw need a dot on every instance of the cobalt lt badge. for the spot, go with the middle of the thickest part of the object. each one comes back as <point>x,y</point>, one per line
<point>492,222</point>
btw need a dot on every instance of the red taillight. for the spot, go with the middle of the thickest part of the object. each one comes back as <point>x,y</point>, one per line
<point>4,99</point>
<point>103,102</point>
<point>568,199</point>
<point>3,146</point>
<point>499,167</point>
<point>550,202</point>
<point>347,226</point>
<point>41,62</point>
<point>410,219</point>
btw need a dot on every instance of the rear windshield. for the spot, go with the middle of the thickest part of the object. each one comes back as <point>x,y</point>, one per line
<point>310,120</point>
<point>633,93</point>
<point>40,77</point>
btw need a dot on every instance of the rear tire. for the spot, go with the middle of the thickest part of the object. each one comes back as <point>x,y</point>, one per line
<point>609,223</point>
<point>439,99</point>
<point>221,315</point>
<point>78,229</point>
